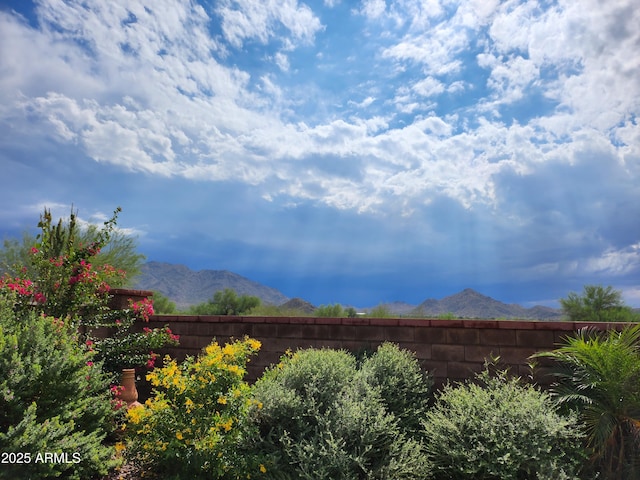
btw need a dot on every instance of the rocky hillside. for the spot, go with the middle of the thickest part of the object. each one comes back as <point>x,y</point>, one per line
<point>187,287</point>
<point>298,304</point>
<point>471,304</point>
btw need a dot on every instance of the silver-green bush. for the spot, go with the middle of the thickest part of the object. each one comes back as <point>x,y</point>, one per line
<point>404,387</point>
<point>498,428</point>
<point>319,419</point>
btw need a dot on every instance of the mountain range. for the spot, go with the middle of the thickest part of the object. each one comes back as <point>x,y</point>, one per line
<point>186,287</point>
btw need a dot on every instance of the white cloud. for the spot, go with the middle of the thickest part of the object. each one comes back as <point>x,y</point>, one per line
<point>631,296</point>
<point>153,94</point>
<point>414,15</point>
<point>476,13</point>
<point>428,87</point>
<point>615,262</point>
<point>611,263</point>
<point>373,9</point>
<point>57,209</point>
<point>511,27</point>
<point>510,78</point>
<point>282,60</point>
<point>435,50</point>
<point>364,103</point>
<point>97,220</point>
<point>30,63</point>
<point>588,46</point>
<point>261,20</point>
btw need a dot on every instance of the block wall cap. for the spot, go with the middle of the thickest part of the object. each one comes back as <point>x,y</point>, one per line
<point>131,292</point>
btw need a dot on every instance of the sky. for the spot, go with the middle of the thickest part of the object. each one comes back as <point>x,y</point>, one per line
<point>353,152</point>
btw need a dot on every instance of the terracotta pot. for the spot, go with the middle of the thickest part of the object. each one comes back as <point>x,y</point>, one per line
<point>129,392</point>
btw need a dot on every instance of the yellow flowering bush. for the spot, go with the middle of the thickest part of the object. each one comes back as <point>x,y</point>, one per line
<point>195,423</point>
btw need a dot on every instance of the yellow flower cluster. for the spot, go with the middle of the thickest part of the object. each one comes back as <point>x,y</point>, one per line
<point>226,425</point>
<point>136,415</point>
<point>168,377</point>
<point>198,405</point>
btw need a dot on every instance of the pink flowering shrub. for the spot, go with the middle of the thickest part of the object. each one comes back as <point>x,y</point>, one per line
<point>143,308</point>
<point>64,279</point>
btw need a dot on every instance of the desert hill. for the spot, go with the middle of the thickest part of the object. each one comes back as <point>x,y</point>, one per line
<point>471,304</point>
<point>187,287</point>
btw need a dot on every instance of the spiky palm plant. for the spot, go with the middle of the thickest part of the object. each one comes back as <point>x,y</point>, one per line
<point>598,374</point>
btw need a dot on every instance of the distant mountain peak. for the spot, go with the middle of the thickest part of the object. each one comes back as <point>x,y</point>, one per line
<point>470,303</point>
<point>298,304</point>
<point>469,292</point>
<point>187,287</point>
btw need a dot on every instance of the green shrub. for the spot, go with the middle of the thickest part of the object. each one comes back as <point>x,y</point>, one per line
<point>351,312</point>
<point>403,386</point>
<point>330,311</point>
<point>195,423</point>
<point>500,429</point>
<point>320,420</point>
<point>53,398</point>
<point>266,310</point>
<point>226,302</point>
<point>302,386</point>
<point>162,304</point>
<point>381,311</point>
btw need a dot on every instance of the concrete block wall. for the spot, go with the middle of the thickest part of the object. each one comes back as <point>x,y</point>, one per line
<point>448,349</point>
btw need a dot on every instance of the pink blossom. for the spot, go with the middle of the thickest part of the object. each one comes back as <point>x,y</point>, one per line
<point>116,390</point>
<point>143,308</point>
<point>151,363</point>
<point>56,261</point>
<point>40,298</point>
<point>172,336</point>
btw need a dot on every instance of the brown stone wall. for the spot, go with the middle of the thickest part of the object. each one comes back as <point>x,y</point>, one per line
<point>120,297</point>
<point>448,349</point>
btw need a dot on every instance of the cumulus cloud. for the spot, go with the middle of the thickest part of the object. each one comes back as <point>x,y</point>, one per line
<point>373,8</point>
<point>428,87</point>
<point>432,109</point>
<point>262,20</point>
